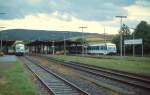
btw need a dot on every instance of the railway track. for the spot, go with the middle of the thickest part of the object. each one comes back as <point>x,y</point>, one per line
<point>136,81</point>
<point>53,82</point>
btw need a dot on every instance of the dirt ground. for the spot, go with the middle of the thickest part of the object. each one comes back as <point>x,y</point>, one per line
<point>59,68</point>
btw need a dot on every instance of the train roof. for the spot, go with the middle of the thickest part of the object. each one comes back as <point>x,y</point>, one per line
<point>101,44</point>
<point>19,44</point>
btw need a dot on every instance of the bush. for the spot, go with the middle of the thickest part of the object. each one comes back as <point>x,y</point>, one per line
<point>1,53</point>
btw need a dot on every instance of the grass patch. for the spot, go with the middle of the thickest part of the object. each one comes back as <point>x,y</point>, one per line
<point>14,80</point>
<point>138,65</point>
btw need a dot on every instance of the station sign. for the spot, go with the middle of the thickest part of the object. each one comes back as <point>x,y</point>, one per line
<point>133,41</point>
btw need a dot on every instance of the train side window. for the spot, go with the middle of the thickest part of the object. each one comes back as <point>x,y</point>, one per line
<point>89,48</point>
<point>105,48</point>
<point>97,48</point>
<point>93,47</point>
<point>102,47</point>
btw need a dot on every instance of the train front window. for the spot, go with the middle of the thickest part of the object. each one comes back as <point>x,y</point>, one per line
<point>111,48</point>
<point>17,48</point>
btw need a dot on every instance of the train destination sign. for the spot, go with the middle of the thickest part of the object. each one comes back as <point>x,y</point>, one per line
<point>133,41</point>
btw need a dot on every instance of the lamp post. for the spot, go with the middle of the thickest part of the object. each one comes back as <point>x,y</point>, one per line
<point>83,27</point>
<point>121,17</point>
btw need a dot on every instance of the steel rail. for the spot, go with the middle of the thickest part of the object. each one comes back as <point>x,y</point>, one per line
<point>80,91</point>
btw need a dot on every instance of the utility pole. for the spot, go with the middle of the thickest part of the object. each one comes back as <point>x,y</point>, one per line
<point>53,46</point>
<point>121,17</point>
<point>1,33</point>
<point>83,40</point>
<point>104,36</point>
<point>1,39</point>
<point>133,46</point>
<point>70,35</point>
<point>64,44</point>
<point>142,50</point>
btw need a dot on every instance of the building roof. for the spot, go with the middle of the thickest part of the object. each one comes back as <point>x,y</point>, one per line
<point>7,42</point>
<point>61,42</point>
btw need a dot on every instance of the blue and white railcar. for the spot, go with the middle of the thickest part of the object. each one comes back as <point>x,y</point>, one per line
<point>103,48</point>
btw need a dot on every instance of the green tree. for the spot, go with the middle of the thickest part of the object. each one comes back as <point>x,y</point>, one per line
<point>126,34</point>
<point>116,40</point>
<point>143,31</point>
<point>81,40</point>
<point>125,31</point>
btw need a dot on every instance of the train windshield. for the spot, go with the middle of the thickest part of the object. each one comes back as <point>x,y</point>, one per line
<point>111,47</point>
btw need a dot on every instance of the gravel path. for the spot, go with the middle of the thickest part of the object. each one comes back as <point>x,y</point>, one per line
<point>8,58</point>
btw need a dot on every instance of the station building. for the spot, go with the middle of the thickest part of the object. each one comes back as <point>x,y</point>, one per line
<point>53,47</point>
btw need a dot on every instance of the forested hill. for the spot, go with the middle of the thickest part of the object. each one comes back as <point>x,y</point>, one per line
<point>23,34</point>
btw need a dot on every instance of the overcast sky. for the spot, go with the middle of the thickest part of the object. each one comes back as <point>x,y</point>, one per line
<point>70,14</point>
